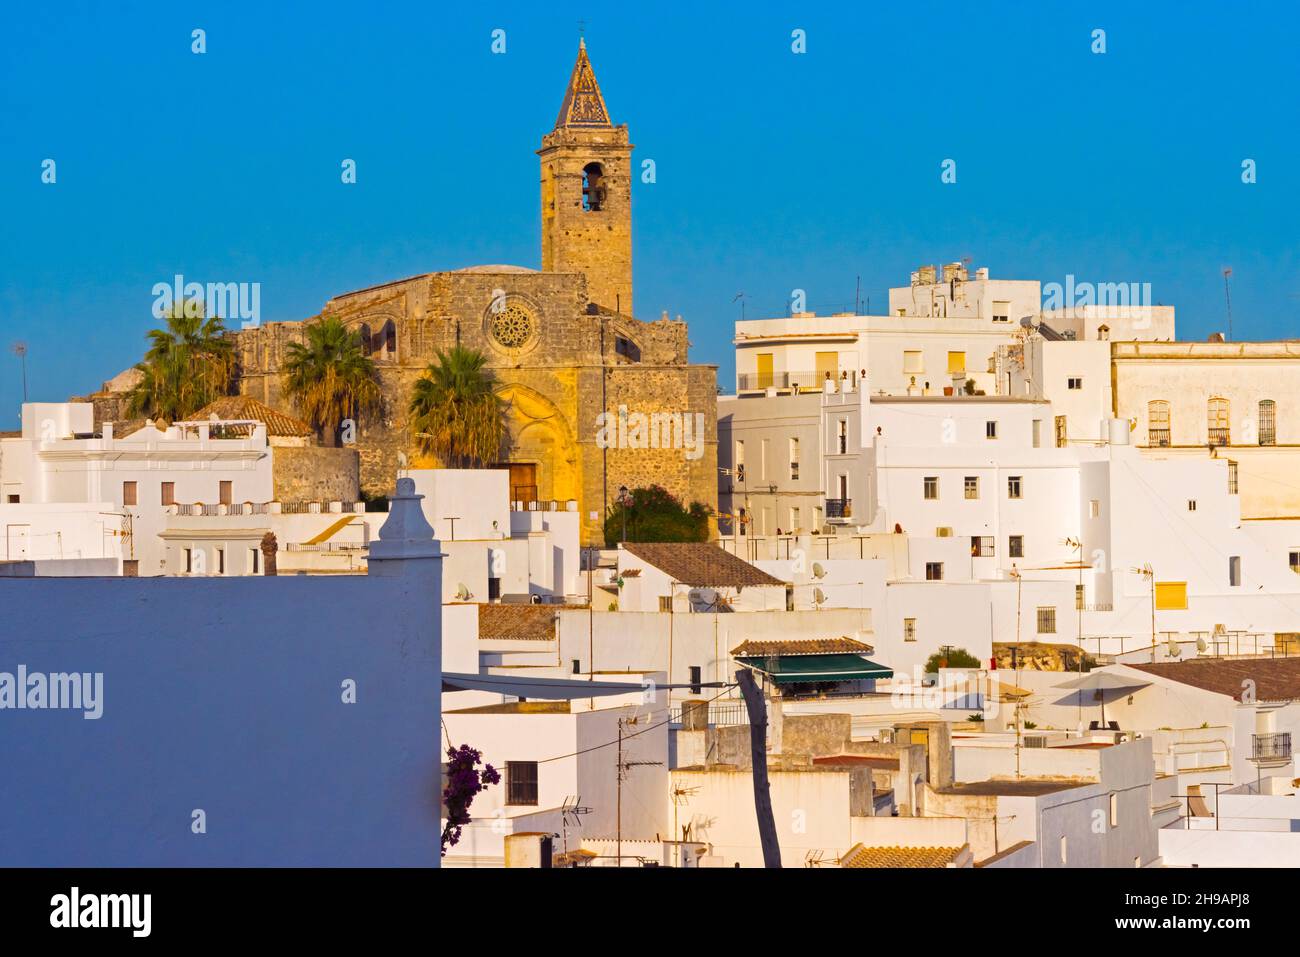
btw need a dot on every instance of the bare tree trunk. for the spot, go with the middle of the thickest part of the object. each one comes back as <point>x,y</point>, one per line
<point>758,752</point>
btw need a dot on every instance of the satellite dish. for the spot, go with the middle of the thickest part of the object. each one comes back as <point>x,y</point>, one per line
<point>818,570</point>
<point>1174,650</point>
<point>703,596</point>
<point>1202,645</point>
<point>463,593</point>
<point>819,596</point>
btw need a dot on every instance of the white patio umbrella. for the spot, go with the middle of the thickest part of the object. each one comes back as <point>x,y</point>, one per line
<point>1101,682</point>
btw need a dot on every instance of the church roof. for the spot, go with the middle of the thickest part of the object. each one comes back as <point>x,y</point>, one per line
<point>583,105</point>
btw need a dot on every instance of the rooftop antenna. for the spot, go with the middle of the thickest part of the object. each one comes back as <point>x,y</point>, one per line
<point>571,813</point>
<point>20,350</point>
<point>1227,271</point>
<point>741,297</point>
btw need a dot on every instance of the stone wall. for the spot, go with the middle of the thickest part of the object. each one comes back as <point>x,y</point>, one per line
<point>315,474</point>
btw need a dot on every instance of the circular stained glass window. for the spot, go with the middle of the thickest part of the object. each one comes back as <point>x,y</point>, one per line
<point>513,326</point>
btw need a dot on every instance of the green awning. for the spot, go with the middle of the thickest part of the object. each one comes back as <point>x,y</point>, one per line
<point>791,669</point>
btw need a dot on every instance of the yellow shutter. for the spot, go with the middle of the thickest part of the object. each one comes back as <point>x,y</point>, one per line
<point>957,362</point>
<point>827,362</point>
<point>1171,596</point>
<point>765,370</point>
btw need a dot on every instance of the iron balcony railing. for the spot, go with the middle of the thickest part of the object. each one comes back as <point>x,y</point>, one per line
<point>805,379</point>
<point>1158,438</point>
<point>1267,437</point>
<point>1219,436</point>
<point>1271,747</point>
<point>839,508</point>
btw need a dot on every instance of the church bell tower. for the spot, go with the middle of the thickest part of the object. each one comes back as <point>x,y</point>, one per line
<point>587,193</point>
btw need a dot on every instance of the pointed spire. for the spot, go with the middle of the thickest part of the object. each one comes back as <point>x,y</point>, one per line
<point>583,105</point>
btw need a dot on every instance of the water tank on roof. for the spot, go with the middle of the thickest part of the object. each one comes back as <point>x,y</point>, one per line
<point>1117,431</point>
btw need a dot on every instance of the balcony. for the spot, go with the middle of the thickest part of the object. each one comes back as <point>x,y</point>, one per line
<point>839,508</point>
<point>1220,437</point>
<point>1158,438</point>
<point>1271,749</point>
<point>805,381</point>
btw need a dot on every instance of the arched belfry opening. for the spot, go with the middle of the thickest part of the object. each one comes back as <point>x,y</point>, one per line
<point>593,187</point>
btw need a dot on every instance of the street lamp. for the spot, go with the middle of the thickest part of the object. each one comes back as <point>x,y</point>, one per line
<point>623,500</point>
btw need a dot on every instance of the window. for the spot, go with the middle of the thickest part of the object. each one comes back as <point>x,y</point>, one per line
<point>1047,620</point>
<point>796,518</point>
<point>990,430</point>
<point>981,546</point>
<point>930,487</point>
<point>1016,546</point>
<point>14,499</point>
<point>912,362</point>
<point>1158,423</point>
<point>521,782</point>
<point>221,561</point>
<point>1234,570</point>
<point>956,363</point>
<point>1038,432</point>
<point>1064,849</point>
<point>794,460</point>
<point>1267,422</point>
<point>1094,508</point>
<point>129,494</point>
<point>696,679</point>
<point>593,188</point>
<point>225,493</point>
<point>666,603</point>
<point>1293,560</point>
<point>188,553</point>
<point>909,629</point>
<point>1217,411</point>
<point>1074,383</point>
<point>1171,596</point>
<point>972,486</point>
<point>254,561</point>
<point>494,588</point>
<point>1001,311</point>
<point>828,367</point>
<point>1191,505</point>
<point>1114,810</point>
<point>1014,486</point>
<point>764,370</point>
<point>934,571</point>
<point>1079,598</point>
<point>168,493</point>
<point>1232,477</point>
<point>842,435</point>
<point>577,665</point>
<point>740,460</point>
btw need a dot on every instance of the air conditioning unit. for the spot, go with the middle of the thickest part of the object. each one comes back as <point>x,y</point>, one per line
<point>1035,740</point>
<point>943,531</point>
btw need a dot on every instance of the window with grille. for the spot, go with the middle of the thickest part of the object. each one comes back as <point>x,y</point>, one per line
<point>1158,423</point>
<point>1074,382</point>
<point>1232,477</point>
<point>909,629</point>
<point>972,486</point>
<point>990,429</point>
<point>1217,419</point>
<point>1014,486</point>
<point>521,782</point>
<point>1267,422</point>
<point>981,546</point>
<point>931,487</point>
<point>1016,546</point>
<point>1047,620</point>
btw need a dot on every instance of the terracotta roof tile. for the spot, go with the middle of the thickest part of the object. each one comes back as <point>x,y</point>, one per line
<point>894,856</point>
<point>246,407</point>
<point>517,622</point>
<point>1273,679</point>
<point>803,646</point>
<point>700,564</point>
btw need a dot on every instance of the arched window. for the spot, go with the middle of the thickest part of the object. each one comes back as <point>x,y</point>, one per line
<point>593,187</point>
<point>1267,422</point>
<point>1158,423</point>
<point>363,332</point>
<point>1217,413</point>
<point>386,342</point>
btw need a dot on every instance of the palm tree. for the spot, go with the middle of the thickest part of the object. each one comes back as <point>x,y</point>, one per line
<point>330,377</point>
<point>189,364</point>
<point>455,412</point>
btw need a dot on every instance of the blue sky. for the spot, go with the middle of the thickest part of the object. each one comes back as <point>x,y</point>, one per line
<point>775,171</point>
